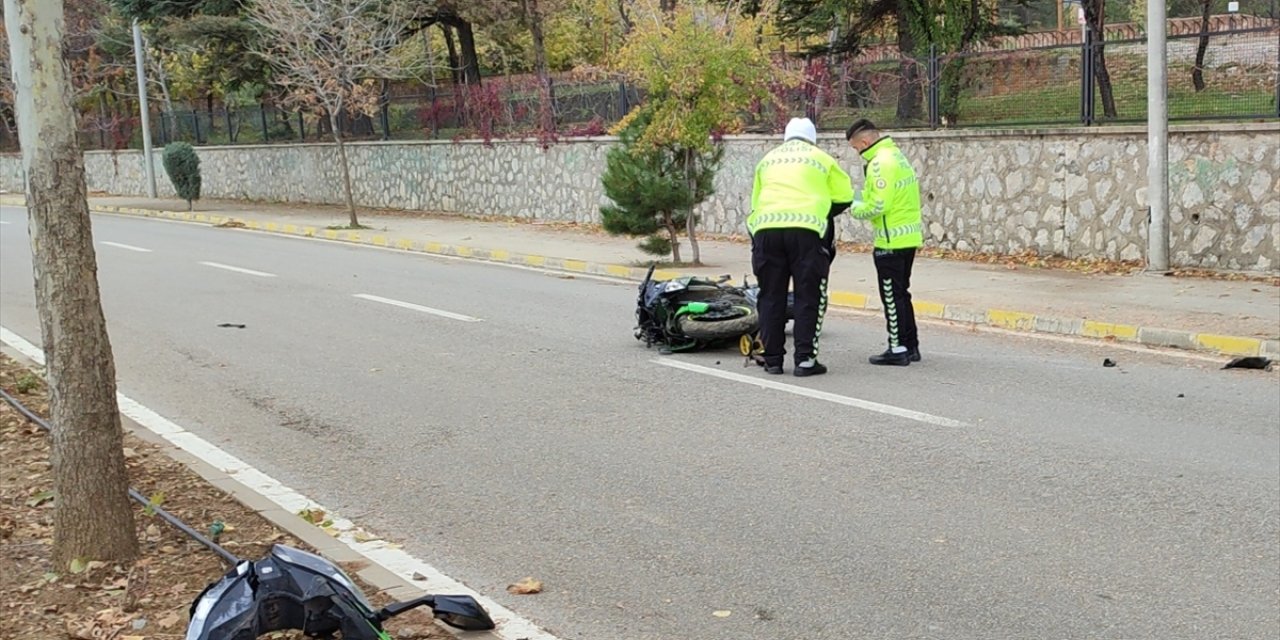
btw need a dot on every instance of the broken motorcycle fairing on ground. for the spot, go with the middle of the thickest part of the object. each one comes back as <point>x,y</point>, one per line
<point>294,589</point>
<point>690,313</point>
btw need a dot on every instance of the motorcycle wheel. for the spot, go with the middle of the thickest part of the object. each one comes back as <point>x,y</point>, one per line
<point>745,321</point>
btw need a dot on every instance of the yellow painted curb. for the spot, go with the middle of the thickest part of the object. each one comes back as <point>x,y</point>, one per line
<point>574,265</point>
<point>929,309</point>
<point>1230,345</point>
<point>847,299</point>
<point>1015,320</point>
<point>1093,329</point>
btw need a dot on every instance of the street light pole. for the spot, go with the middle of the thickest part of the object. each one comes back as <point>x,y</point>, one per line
<point>1157,140</point>
<point>148,162</point>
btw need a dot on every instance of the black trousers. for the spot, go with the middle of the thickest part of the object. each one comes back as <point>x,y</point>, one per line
<point>893,270</point>
<point>778,258</point>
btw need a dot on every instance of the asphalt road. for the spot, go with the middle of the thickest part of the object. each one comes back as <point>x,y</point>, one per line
<point>1032,494</point>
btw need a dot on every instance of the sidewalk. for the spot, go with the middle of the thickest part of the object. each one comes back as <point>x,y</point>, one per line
<point>1225,317</point>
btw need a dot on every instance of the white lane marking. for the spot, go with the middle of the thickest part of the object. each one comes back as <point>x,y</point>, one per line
<point>417,307</point>
<point>5,222</point>
<point>228,267</point>
<point>381,552</point>
<point>128,247</point>
<point>816,394</point>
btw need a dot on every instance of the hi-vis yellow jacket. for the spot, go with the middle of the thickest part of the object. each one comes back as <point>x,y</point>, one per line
<point>795,185</point>
<point>890,197</point>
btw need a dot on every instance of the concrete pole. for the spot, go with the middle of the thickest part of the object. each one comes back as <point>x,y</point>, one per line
<point>1157,139</point>
<point>148,161</point>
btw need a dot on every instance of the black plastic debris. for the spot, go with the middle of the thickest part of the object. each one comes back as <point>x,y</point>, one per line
<point>230,325</point>
<point>1108,362</point>
<point>1250,362</point>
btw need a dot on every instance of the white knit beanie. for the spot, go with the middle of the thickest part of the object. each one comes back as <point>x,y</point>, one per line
<point>801,128</point>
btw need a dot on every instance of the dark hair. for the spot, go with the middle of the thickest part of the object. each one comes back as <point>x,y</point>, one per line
<point>859,126</point>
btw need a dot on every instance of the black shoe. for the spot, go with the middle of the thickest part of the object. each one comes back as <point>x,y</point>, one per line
<point>816,370</point>
<point>914,353</point>
<point>890,358</point>
<point>775,369</point>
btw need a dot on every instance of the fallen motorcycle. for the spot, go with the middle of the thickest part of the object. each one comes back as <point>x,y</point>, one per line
<point>291,589</point>
<point>689,313</point>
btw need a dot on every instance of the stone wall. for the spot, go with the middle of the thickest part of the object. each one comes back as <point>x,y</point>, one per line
<point>1071,192</point>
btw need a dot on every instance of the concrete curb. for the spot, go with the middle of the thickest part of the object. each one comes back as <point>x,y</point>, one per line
<point>1225,345</point>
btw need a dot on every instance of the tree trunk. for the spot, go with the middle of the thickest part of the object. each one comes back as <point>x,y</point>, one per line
<point>346,168</point>
<point>953,68</point>
<point>625,16</point>
<point>1095,17</point>
<point>455,67</point>
<point>1197,73</point>
<point>909,96</point>
<point>93,519</point>
<point>547,106</point>
<point>470,61</point>
<point>162,79</point>
<point>690,220</point>
<point>668,221</point>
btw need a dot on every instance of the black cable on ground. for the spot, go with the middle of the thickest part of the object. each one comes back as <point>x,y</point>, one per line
<point>226,556</point>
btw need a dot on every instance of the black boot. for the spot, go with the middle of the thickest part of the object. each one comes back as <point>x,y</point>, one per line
<point>890,358</point>
<point>914,352</point>
<point>813,368</point>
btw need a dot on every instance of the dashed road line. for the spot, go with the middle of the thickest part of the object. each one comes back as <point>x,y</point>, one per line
<point>417,307</point>
<point>227,267</point>
<point>127,247</point>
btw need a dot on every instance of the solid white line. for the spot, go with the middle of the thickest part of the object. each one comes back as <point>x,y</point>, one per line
<point>381,552</point>
<point>417,307</point>
<point>5,222</point>
<point>129,247</point>
<point>816,395</point>
<point>251,272</point>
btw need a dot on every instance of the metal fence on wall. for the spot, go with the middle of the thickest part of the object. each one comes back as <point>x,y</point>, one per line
<point>1090,83</point>
<point>1054,84</point>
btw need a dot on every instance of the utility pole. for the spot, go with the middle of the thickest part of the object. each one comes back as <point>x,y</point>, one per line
<point>148,162</point>
<point>1157,140</point>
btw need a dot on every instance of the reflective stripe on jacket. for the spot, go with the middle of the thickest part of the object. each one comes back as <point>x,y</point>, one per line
<point>890,197</point>
<point>795,185</point>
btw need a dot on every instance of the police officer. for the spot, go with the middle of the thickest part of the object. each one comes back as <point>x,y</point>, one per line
<point>891,203</point>
<point>798,187</point>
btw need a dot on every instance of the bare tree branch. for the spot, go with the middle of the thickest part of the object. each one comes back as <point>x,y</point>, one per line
<point>336,53</point>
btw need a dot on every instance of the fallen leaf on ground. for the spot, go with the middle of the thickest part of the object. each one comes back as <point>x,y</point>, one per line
<point>40,498</point>
<point>525,587</point>
<point>168,621</point>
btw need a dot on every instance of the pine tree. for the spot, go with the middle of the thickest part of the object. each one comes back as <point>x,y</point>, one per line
<point>651,191</point>
<point>183,166</point>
